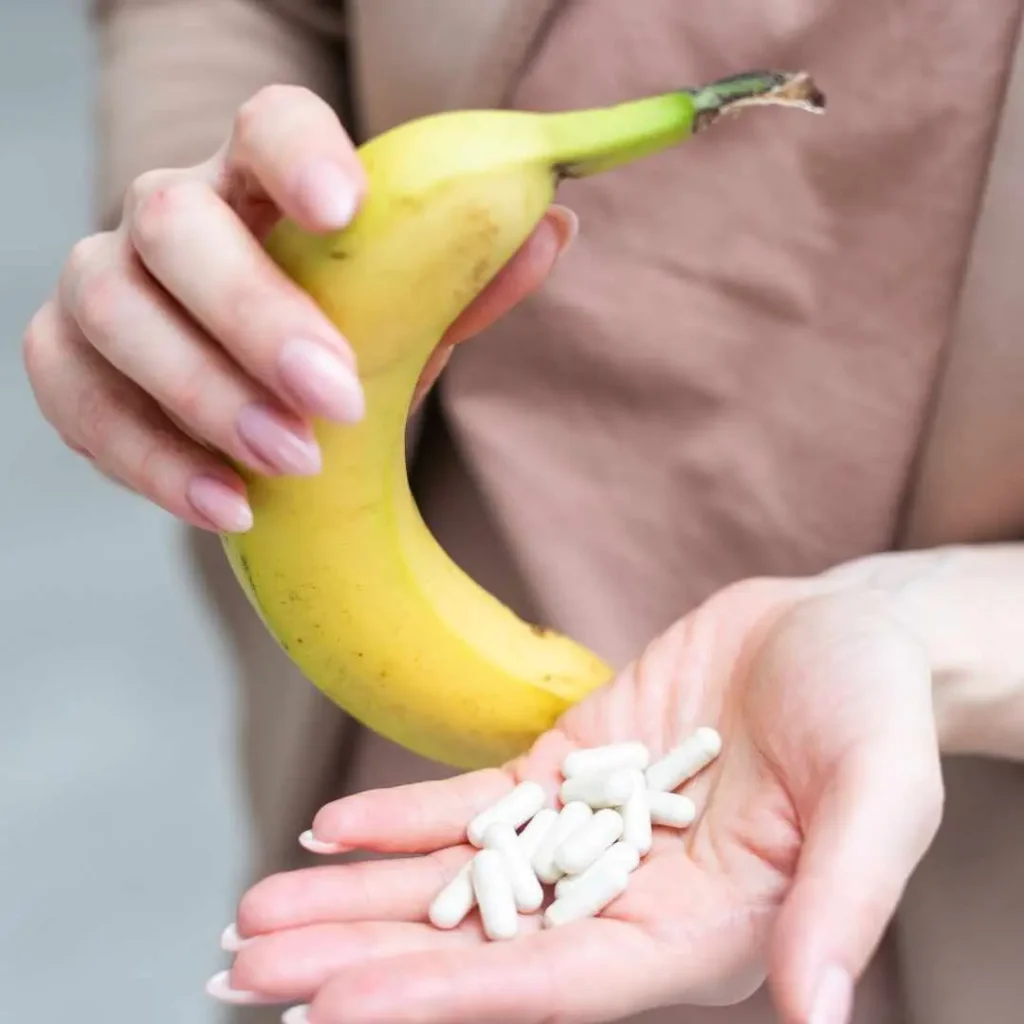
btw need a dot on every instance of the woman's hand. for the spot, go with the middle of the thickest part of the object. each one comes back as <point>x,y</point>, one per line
<point>827,793</point>
<point>175,339</point>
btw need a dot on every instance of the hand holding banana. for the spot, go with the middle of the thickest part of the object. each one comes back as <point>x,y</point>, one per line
<point>330,548</point>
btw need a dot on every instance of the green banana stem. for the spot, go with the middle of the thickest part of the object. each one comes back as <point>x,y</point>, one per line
<point>591,142</point>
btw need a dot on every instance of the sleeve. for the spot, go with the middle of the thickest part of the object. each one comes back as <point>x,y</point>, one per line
<point>173,72</point>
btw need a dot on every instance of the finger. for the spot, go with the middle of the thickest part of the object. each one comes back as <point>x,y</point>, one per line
<point>591,970</point>
<point>124,431</point>
<point>295,964</point>
<point>870,830</point>
<point>290,143</point>
<point>520,277</point>
<point>200,251</point>
<point>417,818</point>
<point>135,326</point>
<point>379,890</point>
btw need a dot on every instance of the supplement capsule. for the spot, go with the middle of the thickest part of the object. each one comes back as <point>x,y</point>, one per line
<point>693,755</point>
<point>671,810</point>
<point>585,844</point>
<point>619,855</point>
<point>588,897</point>
<point>494,895</point>
<point>451,905</point>
<point>570,818</point>
<point>604,789</point>
<point>533,835</point>
<point>501,836</point>
<point>516,807</point>
<point>636,816</point>
<point>608,758</point>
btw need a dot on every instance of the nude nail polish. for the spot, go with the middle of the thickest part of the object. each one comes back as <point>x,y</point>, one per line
<point>219,988</point>
<point>833,999</point>
<point>220,505</point>
<point>296,1015</point>
<point>276,442</point>
<point>309,842</point>
<point>328,194</point>
<point>321,381</point>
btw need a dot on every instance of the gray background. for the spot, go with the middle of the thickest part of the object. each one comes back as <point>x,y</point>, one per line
<point>122,832</point>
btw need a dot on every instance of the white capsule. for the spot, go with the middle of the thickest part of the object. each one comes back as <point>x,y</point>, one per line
<point>589,897</point>
<point>636,816</point>
<point>585,844</point>
<point>603,789</point>
<point>533,835</point>
<point>516,807</point>
<point>454,901</point>
<point>570,818</point>
<point>619,855</point>
<point>671,810</point>
<point>494,896</point>
<point>693,755</point>
<point>525,888</point>
<point>608,758</point>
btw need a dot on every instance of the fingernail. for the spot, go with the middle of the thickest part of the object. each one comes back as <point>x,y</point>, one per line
<point>296,1015</point>
<point>276,443</point>
<point>566,223</point>
<point>231,941</point>
<point>833,1000</point>
<point>219,504</point>
<point>321,381</point>
<point>309,842</point>
<point>219,988</point>
<point>328,193</point>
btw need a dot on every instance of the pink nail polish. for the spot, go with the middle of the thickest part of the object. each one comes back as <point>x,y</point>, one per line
<point>231,941</point>
<point>567,224</point>
<point>833,999</point>
<point>276,442</point>
<point>321,381</point>
<point>219,504</point>
<point>328,193</point>
<point>219,988</point>
<point>309,842</point>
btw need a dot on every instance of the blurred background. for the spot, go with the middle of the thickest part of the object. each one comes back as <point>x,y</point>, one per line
<point>123,837</point>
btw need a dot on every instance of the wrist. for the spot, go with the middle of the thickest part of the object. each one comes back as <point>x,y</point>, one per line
<point>963,605</point>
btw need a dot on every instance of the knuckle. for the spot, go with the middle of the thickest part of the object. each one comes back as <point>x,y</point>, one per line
<point>187,394</point>
<point>142,188</point>
<point>96,301</point>
<point>82,257</point>
<point>157,212</point>
<point>152,471</point>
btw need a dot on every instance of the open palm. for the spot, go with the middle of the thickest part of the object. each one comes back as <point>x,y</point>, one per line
<point>827,793</point>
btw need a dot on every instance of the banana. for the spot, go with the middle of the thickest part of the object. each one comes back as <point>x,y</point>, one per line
<point>340,567</point>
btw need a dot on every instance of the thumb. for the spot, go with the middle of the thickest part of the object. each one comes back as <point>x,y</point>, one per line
<point>872,824</point>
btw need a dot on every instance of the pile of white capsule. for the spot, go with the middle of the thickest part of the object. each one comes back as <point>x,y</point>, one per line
<point>611,798</point>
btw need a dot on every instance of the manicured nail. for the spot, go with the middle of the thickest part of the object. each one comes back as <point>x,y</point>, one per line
<point>219,988</point>
<point>328,193</point>
<point>219,504</point>
<point>296,1015</point>
<point>276,443</point>
<point>309,842</point>
<point>231,941</point>
<point>833,1000</point>
<point>321,381</point>
<point>566,223</point>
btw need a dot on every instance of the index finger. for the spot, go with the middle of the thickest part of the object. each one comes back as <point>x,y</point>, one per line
<point>416,818</point>
<point>289,143</point>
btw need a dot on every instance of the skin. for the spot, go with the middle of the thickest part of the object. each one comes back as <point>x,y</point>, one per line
<point>827,793</point>
<point>170,341</point>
